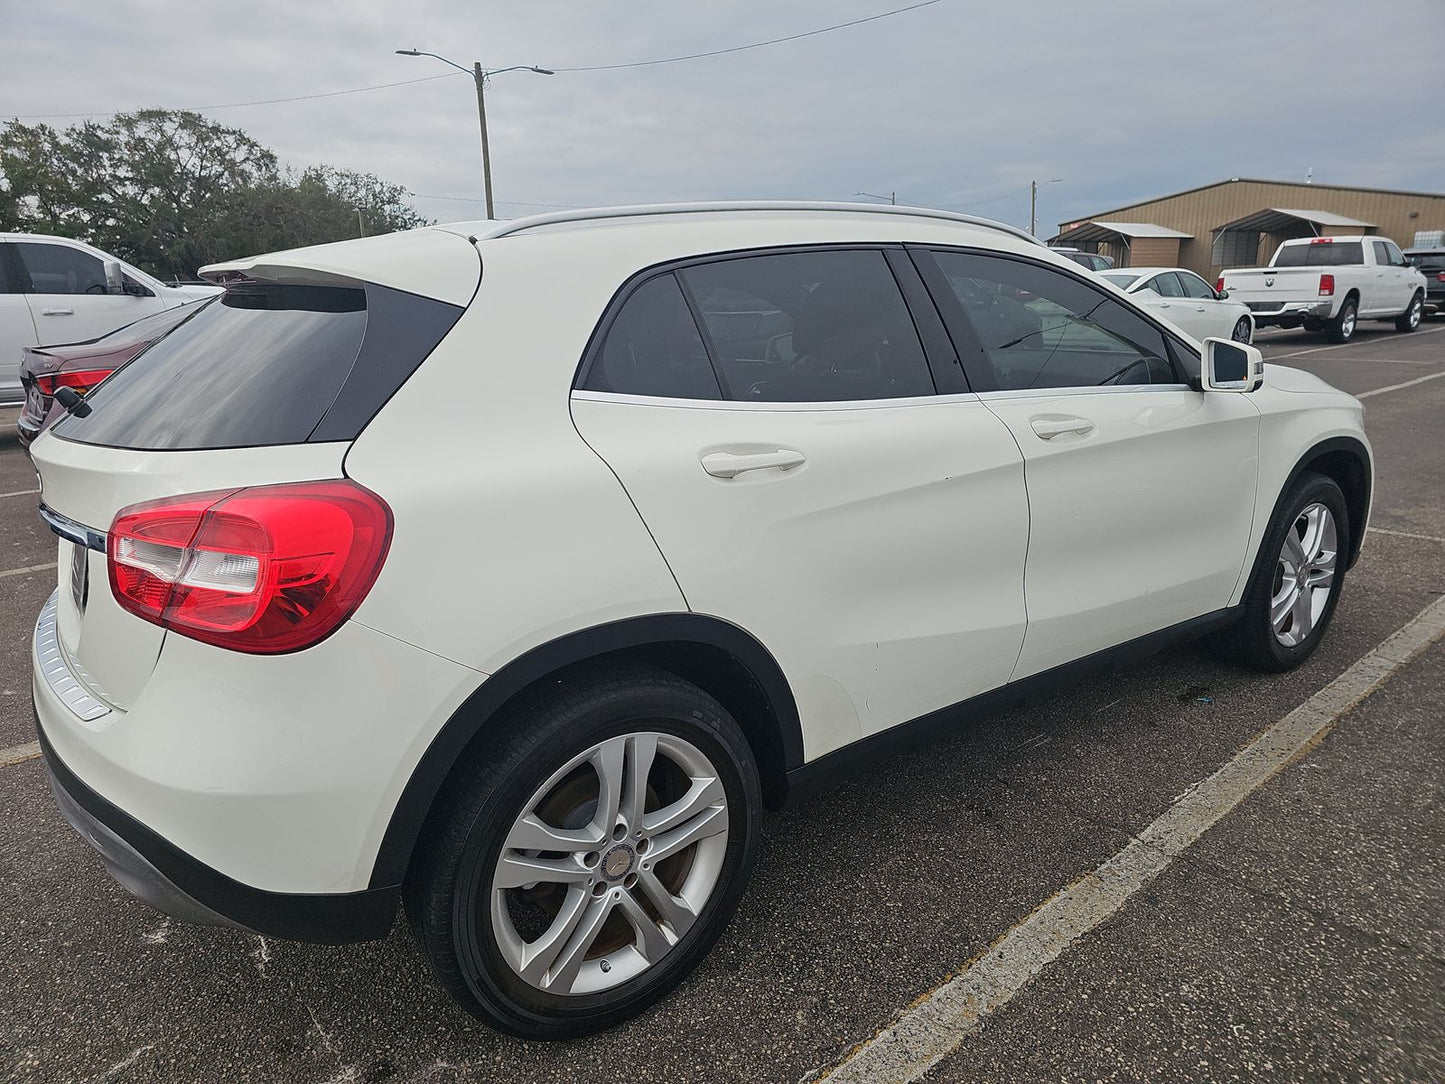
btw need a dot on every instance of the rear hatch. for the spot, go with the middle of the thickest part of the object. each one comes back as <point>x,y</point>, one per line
<point>268,385</point>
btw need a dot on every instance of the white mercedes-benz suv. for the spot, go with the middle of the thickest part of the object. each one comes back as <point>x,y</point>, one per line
<point>514,570</point>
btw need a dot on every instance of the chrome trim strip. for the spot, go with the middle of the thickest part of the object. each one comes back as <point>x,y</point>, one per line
<point>68,528</point>
<point>732,404</point>
<point>58,669</point>
<point>1041,393</point>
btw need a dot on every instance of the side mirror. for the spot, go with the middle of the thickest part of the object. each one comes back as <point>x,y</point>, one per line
<point>1230,366</point>
<point>114,280</point>
<point>1223,295</point>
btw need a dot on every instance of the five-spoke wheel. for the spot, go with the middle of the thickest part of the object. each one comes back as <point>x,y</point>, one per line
<point>1305,576</point>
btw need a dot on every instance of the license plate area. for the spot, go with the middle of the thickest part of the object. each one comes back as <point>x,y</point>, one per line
<point>35,403</point>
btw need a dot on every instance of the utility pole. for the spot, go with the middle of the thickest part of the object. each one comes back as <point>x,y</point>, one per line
<point>360,224</point>
<point>481,78</point>
<point>1034,203</point>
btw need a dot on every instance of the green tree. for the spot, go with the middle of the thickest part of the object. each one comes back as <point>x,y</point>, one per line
<point>171,191</point>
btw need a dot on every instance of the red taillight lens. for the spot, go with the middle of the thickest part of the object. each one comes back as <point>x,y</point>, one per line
<point>1441,276</point>
<point>263,570</point>
<point>81,380</point>
<point>1219,286</point>
<point>1327,285</point>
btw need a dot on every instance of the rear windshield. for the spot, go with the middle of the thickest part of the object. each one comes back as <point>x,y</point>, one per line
<point>1321,254</point>
<point>266,364</point>
<point>1122,281</point>
<point>1427,261</point>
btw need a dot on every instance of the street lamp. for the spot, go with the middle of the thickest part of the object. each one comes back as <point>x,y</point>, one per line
<point>480,77</point>
<point>892,197</point>
<point>1034,203</point>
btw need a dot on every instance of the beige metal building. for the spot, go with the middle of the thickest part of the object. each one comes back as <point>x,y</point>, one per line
<point>1239,223</point>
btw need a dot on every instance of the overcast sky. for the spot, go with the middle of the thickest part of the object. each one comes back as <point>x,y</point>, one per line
<point>956,105</point>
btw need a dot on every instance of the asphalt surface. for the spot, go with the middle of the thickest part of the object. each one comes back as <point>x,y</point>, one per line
<point>1300,939</point>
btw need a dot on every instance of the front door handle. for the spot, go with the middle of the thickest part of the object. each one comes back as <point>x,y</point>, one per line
<point>57,312</point>
<point>1200,308</point>
<point>731,464</point>
<point>1049,428</point>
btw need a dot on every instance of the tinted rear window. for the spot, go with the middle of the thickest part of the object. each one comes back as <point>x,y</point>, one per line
<point>1427,261</point>
<point>266,364</point>
<point>1321,254</point>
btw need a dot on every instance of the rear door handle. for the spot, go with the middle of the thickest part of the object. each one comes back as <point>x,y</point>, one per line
<point>1200,308</point>
<point>731,464</point>
<point>57,312</point>
<point>1049,428</point>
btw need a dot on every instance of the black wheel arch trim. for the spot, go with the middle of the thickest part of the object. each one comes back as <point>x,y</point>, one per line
<point>412,808</point>
<point>1352,446</point>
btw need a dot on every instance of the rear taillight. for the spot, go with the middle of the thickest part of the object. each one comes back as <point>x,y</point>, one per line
<point>1441,276</point>
<point>1219,286</point>
<point>81,380</point>
<point>263,570</point>
<point>1327,285</point>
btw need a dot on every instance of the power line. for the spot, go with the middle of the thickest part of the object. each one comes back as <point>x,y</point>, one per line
<point>449,75</point>
<point>754,45</point>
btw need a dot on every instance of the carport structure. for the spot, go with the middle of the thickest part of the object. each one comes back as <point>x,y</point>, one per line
<point>1250,240</point>
<point>1131,244</point>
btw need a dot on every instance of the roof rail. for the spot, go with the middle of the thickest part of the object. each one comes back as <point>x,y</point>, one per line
<point>520,225</point>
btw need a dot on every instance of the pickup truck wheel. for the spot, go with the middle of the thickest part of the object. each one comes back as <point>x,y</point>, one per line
<point>1342,327</point>
<point>587,856</point>
<point>1409,320</point>
<point>1296,581</point>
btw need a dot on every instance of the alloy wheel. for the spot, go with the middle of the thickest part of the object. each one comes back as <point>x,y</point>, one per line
<point>1305,575</point>
<point>609,864</point>
<point>1241,331</point>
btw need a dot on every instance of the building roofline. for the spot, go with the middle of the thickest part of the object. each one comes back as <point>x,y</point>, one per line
<point>1251,180</point>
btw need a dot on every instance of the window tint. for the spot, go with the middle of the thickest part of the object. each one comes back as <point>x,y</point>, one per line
<point>653,348</point>
<point>7,285</point>
<point>266,364</point>
<point>1396,256</point>
<point>1321,254</point>
<point>1039,328</point>
<point>1194,286</point>
<point>810,327</point>
<point>57,269</point>
<point>1382,254</point>
<point>1166,285</point>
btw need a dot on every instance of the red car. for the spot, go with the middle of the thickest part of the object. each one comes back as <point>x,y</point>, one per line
<point>81,366</point>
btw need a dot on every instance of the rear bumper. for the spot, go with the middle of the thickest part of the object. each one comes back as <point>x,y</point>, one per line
<point>159,873</point>
<point>1292,312</point>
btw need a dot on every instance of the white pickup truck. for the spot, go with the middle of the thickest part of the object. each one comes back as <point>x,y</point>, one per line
<point>1329,284</point>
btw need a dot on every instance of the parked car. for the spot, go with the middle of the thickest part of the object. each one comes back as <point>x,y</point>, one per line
<point>81,366</point>
<point>1184,299</point>
<point>1329,284</point>
<point>1430,262</point>
<point>59,290</point>
<point>1092,260</point>
<point>521,597</point>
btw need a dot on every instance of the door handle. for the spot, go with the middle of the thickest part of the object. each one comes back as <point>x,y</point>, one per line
<point>1200,308</point>
<point>1163,304</point>
<point>1049,428</point>
<point>57,312</point>
<point>731,464</point>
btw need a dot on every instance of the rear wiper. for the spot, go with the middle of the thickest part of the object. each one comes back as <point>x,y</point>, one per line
<point>73,402</point>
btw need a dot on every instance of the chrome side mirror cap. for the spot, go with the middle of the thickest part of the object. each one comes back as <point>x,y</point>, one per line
<point>114,279</point>
<point>1230,366</point>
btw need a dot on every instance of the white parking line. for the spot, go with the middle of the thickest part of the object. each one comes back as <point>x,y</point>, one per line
<point>26,570</point>
<point>935,1026</point>
<point>1397,387</point>
<point>18,754</point>
<point>1405,534</point>
<point>1358,343</point>
<point>20,493</point>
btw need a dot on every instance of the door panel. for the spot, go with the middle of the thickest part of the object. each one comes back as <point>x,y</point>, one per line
<point>876,549</point>
<point>67,297</point>
<point>1140,522</point>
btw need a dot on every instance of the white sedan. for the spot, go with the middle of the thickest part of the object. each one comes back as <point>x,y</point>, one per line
<point>1186,301</point>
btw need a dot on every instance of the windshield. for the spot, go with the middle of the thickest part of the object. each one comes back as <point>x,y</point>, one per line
<point>1321,254</point>
<point>1427,261</point>
<point>1122,281</point>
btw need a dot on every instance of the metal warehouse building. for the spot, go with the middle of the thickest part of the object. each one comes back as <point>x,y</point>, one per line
<point>1239,223</point>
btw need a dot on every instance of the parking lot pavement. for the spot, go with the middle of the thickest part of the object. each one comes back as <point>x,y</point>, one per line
<point>1299,933</point>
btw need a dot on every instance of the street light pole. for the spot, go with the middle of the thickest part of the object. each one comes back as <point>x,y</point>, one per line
<point>480,76</point>
<point>1034,204</point>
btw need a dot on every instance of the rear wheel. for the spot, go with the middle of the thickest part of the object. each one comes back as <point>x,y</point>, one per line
<point>1342,327</point>
<point>1242,332</point>
<point>1409,320</point>
<point>583,864</point>
<point>1296,581</point>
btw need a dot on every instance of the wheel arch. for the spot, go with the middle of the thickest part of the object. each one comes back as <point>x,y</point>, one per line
<point>717,656</point>
<point>1346,460</point>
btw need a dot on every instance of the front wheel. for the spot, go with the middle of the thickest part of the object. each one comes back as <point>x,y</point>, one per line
<point>1243,331</point>
<point>1342,327</point>
<point>1296,581</point>
<point>585,861</point>
<point>1409,320</point>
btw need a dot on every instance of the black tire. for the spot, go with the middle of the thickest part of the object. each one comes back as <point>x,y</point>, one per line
<point>449,880</point>
<point>1342,328</point>
<point>1409,320</point>
<point>1251,642</point>
<point>1242,332</point>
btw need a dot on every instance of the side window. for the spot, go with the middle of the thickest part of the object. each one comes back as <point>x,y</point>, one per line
<point>59,269</point>
<point>653,348</point>
<point>1396,256</point>
<point>1039,328</point>
<point>1196,287</point>
<point>1382,254</point>
<point>7,285</point>
<point>810,327</point>
<point>1166,285</point>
